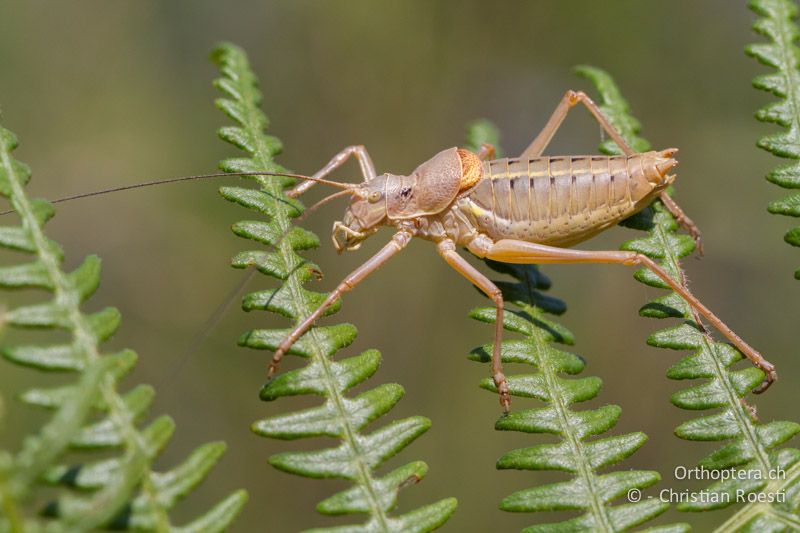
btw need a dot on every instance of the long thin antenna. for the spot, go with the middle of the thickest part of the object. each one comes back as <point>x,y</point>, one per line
<point>345,186</point>
<point>205,330</point>
<point>319,204</point>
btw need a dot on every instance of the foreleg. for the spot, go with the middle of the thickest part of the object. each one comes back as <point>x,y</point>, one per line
<point>398,242</point>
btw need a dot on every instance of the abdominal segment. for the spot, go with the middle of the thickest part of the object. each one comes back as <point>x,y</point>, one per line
<point>558,200</point>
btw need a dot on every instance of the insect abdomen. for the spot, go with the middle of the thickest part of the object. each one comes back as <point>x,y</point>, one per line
<point>563,200</point>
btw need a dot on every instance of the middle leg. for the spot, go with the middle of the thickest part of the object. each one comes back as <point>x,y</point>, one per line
<point>447,250</point>
<point>392,248</point>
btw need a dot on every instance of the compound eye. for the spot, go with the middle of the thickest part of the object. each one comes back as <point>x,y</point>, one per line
<point>374,196</point>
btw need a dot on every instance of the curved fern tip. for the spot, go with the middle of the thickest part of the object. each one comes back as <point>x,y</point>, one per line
<point>223,49</point>
<point>8,139</point>
<point>588,71</point>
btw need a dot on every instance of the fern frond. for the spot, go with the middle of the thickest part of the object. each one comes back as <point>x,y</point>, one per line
<point>752,447</point>
<point>483,131</point>
<point>588,490</point>
<point>778,25</point>
<point>89,414</point>
<point>358,454</point>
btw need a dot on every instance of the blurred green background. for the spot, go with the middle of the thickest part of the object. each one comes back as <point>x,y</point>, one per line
<point>112,93</point>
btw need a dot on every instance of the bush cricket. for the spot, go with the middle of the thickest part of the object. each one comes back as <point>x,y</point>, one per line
<point>529,209</point>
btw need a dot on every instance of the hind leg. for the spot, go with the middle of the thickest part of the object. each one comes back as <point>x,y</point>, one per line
<point>357,151</point>
<point>570,100</point>
<point>682,219</point>
<point>513,251</point>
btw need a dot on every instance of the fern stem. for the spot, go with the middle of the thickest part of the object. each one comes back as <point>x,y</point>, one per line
<point>752,449</point>
<point>744,421</point>
<point>778,23</point>
<point>784,14</point>
<point>365,474</point>
<point>366,479</point>
<point>120,491</point>
<point>587,490</point>
<point>584,469</point>
<point>138,447</point>
<point>356,455</point>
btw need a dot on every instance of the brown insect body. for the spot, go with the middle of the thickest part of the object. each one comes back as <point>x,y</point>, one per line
<point>528,209</point>
<point>558,201</point>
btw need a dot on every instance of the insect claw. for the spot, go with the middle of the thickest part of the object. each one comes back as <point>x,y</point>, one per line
<point>505,401</point>
<point>410,480</point>
<point>769,380</point>
<point>502,389</point>
<point>273,365</point>
<point>698,245</point>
